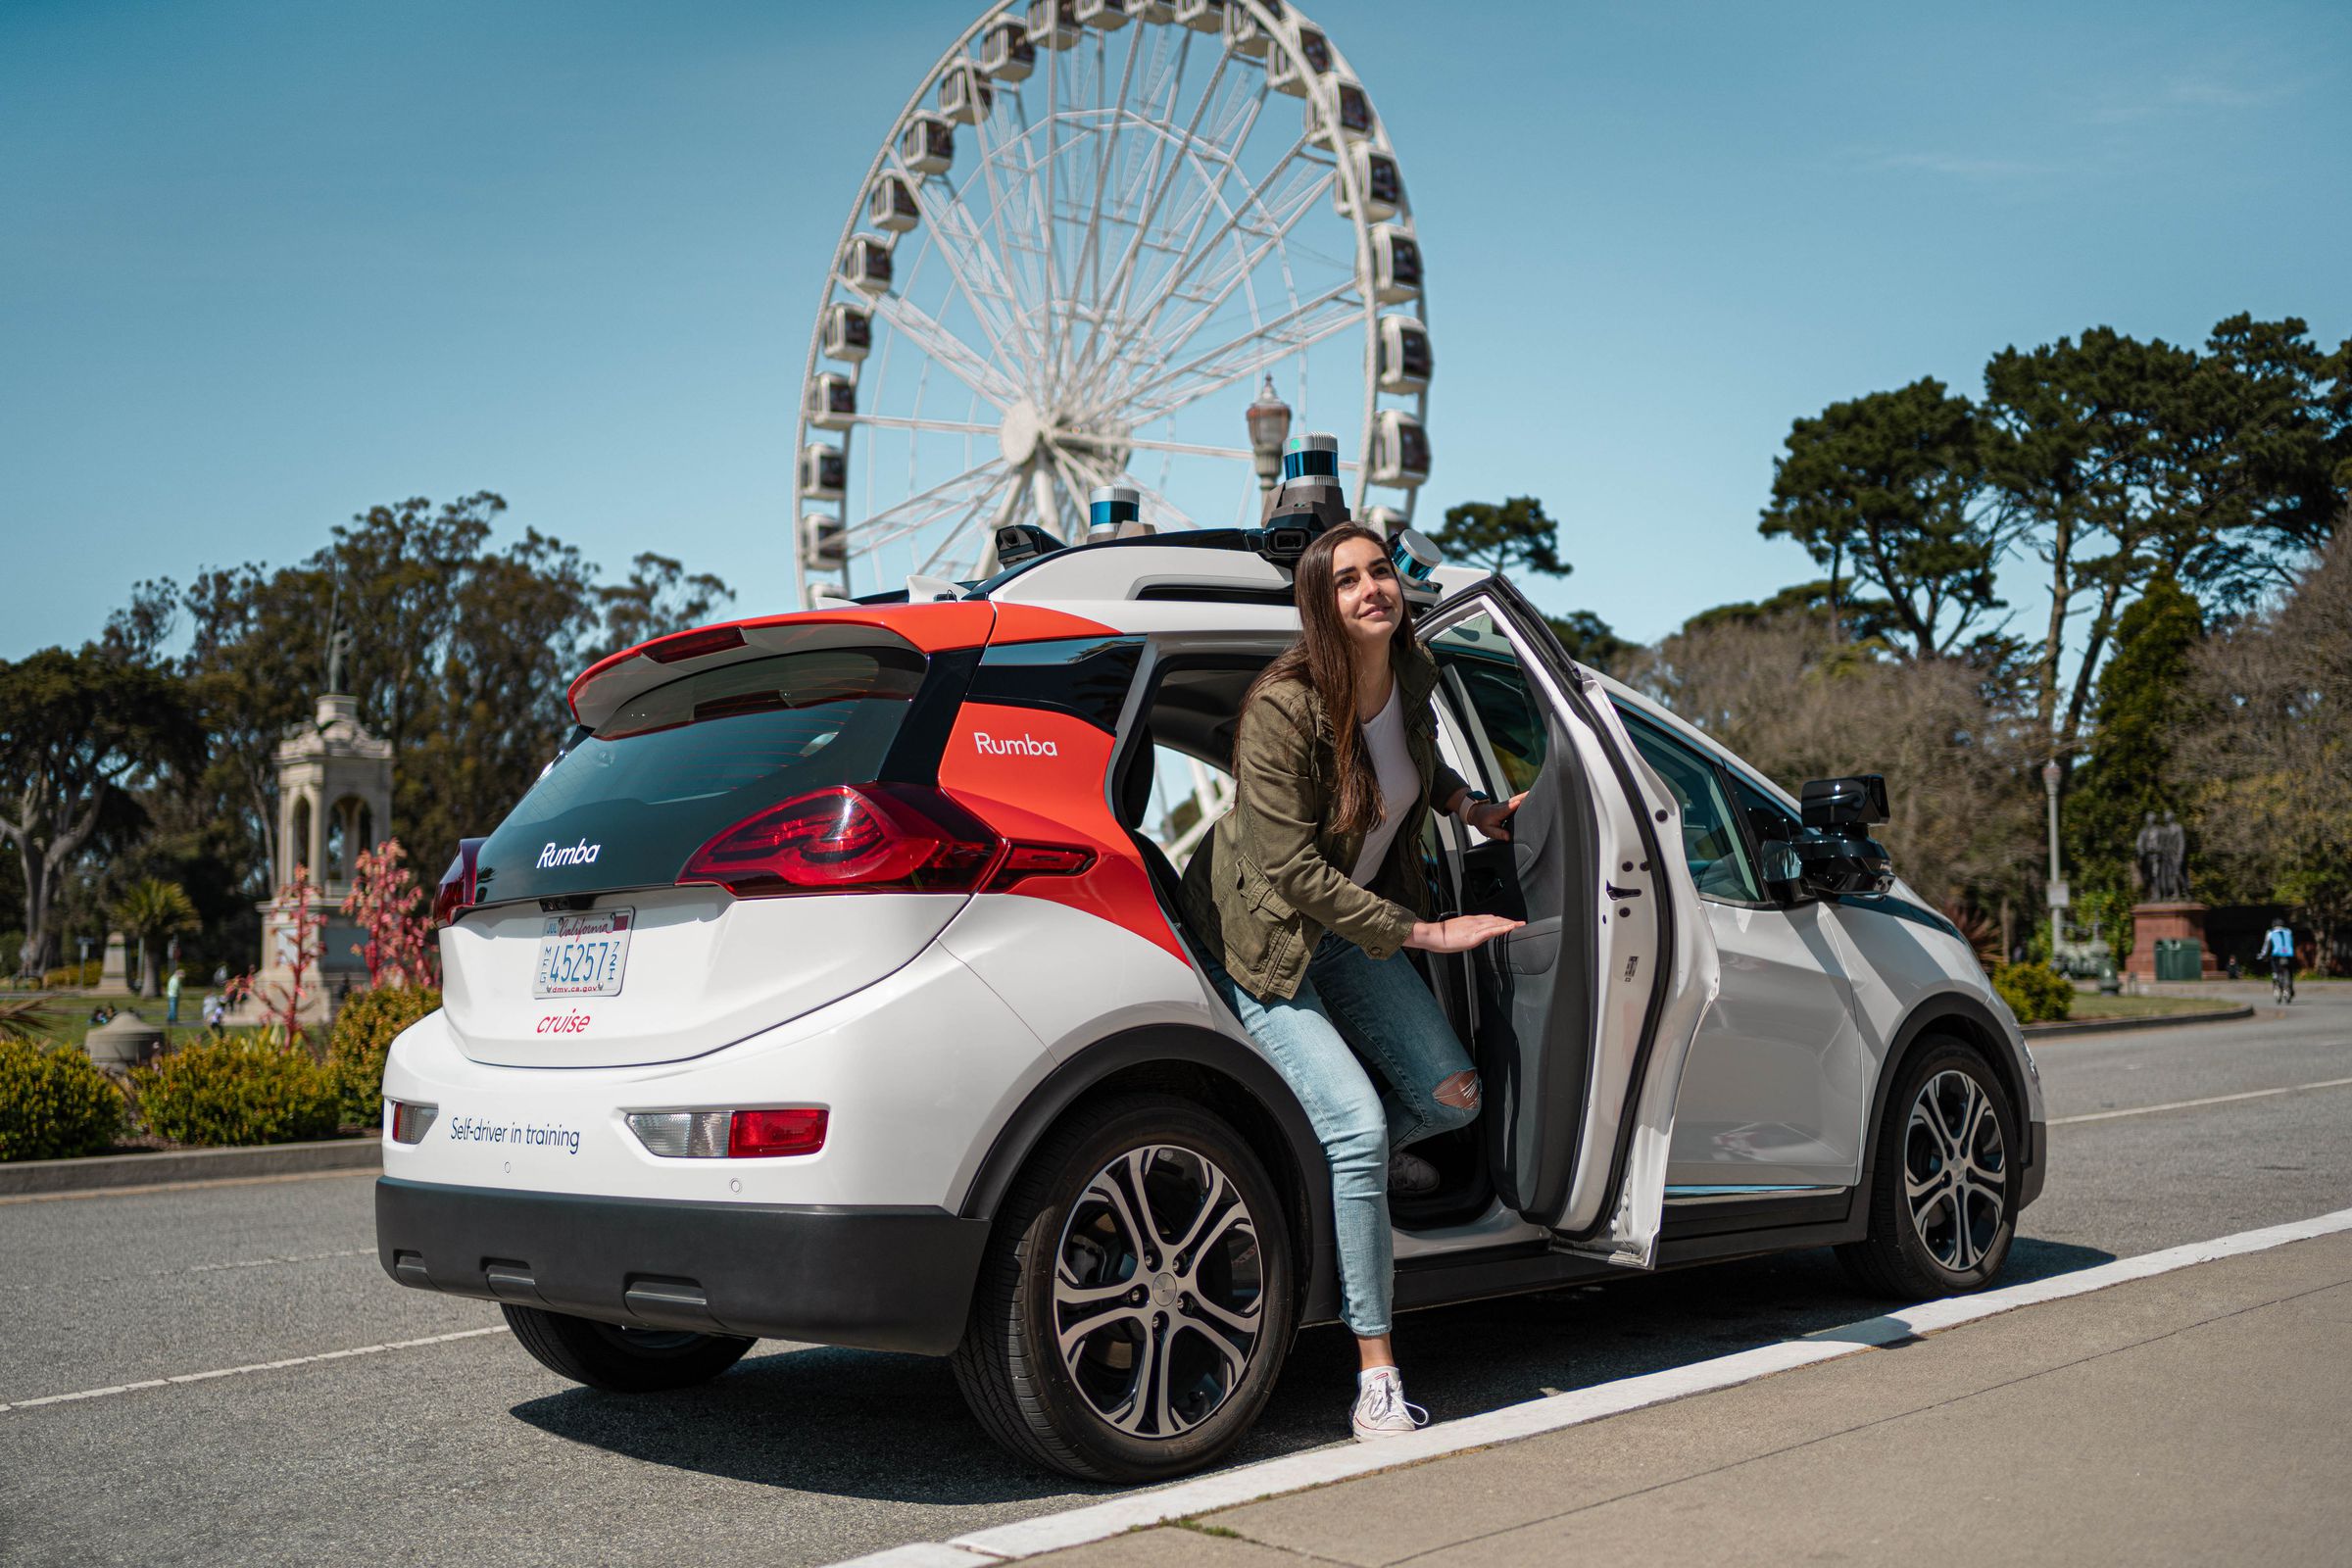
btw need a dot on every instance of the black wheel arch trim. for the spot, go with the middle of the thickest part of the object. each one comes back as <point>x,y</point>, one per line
<point>1979,1026</point>
<point>1302,1167</point>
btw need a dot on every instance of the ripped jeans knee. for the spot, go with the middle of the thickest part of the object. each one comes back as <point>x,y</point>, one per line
<point>1455,1101</point>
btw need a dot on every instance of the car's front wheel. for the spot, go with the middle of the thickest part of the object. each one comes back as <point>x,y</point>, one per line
<point>622,1361</point>
<point>1945,1184</point>
<point>1137,1299</point>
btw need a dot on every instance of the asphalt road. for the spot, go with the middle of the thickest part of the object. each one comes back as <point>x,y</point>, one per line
<point>464,1447</point>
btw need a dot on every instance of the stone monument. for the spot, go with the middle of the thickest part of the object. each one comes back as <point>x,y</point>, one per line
<point>334,798</point>
<point>2161,855</point>
<point>114,972</point>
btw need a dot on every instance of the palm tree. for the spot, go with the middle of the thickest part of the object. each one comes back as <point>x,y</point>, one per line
<point>153,911</point>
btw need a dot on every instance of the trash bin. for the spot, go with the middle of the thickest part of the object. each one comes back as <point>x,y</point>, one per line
<point>2179,959</point>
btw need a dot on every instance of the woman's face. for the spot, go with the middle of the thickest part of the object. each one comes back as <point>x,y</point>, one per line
<point>1370,598</point>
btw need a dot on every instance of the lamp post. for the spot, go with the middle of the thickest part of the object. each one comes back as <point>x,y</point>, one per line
<point>1269,424</point>
<point>2060,897</point>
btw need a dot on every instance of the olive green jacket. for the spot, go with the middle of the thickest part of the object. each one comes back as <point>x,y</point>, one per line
<point>1272,877</point>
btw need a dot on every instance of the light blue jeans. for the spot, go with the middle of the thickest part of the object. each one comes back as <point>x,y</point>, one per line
<point>1383,1010</point>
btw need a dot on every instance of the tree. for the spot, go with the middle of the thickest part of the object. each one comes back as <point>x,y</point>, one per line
<point>658,598</point>
<point>2269,761</point>
<point>2259,460</point>
<point>1778,692</point>
<point>1868,622</point>
<point>1515,536</point>
<point>2121,460</point>
<point>75,730</point>
<point>1589,639</point>
<point>2143,707</point>
<point>1891,486</point>
<point>152,911</point>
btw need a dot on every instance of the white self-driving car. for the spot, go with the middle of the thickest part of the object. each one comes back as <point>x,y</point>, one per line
<point>827,987</point>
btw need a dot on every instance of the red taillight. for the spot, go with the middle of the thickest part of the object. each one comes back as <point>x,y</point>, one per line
<point>877,837</point>
<point>760,1133</point>
<point>454,895</point>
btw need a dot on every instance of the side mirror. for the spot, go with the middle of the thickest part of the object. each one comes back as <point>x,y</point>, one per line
<point>1836,855</point>
<point>1835,804</point>
<point>1835,863</point>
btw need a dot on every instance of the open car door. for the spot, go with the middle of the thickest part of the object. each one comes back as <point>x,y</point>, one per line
<point>1585,1015</point>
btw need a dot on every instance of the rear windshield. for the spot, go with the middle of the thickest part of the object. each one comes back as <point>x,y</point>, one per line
<point>626,804</point>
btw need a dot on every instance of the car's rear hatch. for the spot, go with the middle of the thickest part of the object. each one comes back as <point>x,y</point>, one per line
<point>585,949</point>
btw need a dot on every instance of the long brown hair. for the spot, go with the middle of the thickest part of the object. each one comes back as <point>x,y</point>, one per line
<point>1321,661</point>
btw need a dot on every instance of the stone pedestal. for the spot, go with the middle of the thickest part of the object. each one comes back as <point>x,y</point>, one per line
<point>2152,922</point>
<point>126,1042</point>
<point>113,975</point>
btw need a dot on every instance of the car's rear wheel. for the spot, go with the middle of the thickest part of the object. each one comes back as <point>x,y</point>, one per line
<point>1944,1192</point>
<point>622,1361</point>
<point>1137,1298</point>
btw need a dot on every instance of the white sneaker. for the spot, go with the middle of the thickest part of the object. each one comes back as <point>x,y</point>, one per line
<point>1381,1409</point>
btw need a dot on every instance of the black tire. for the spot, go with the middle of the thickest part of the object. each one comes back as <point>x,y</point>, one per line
<point>1956,1244</point>
<point>1010,1365</point>
<point>622,1361</point>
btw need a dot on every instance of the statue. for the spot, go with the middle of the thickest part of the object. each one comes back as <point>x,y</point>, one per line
<point>2173,860</point>
<point>2147,853</point>
<point>338,648</point>
<point>2161,850</point>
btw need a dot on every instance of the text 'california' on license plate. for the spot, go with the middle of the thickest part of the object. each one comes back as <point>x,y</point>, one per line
<point>583,955</point>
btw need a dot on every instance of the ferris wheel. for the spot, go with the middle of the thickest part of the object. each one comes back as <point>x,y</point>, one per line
<point>1100,244</point>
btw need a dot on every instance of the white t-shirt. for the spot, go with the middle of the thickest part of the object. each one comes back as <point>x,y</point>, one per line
<point>1400,783</point>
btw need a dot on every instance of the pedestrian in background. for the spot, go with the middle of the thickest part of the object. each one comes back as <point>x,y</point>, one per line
<point>171,1000</point>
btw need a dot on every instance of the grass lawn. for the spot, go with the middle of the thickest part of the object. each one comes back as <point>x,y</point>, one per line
<point>68,1014</point>
<point>2092,1005</point>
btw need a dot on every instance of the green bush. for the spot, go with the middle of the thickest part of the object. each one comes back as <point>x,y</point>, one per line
<point>240,1088</point>
<point>364,1032</point>
<point>54,1103</point>
<point>2035,992</point>
<point>73,977</point>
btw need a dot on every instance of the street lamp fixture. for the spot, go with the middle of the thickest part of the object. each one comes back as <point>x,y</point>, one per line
<point>1269,425</point>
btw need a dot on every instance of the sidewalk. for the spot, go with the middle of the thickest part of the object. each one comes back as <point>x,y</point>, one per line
<point>2204,1415</point>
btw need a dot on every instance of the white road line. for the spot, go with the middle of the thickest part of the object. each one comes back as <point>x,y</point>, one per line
<point>1227,1488</point>
<point>2192,1105</point>
<point>240,1371</point>
<point>208,1268</point>
<point>290,1258</point>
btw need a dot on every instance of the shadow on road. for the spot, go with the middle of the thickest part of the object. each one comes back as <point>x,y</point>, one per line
<point>860,1424</point>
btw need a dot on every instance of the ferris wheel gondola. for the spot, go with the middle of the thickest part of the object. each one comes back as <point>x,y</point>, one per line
<point>1094,232</point>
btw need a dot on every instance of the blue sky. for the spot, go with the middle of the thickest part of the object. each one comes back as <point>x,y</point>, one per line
<point>262,264</point>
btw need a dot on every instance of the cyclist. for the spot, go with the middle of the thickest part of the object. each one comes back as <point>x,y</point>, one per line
<point>2279,945</point>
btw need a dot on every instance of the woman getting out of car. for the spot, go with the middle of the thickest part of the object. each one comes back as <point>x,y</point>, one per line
<point>1307,889</point>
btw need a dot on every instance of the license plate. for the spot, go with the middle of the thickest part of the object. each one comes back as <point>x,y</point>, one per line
<point>583,955</point>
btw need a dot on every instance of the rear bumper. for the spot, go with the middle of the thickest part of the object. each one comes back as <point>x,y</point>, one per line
<point>883,1279</point>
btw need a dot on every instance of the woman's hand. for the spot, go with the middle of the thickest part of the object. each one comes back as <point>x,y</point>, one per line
<point>1493,818</point>
<point>1460,934</point>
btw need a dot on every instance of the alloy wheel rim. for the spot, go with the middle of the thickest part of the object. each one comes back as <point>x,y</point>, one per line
<point>1159,1292</point>
<point>1955,1170</point>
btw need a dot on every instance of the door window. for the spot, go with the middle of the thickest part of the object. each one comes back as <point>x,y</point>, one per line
<point>1511,738</point>
<point>1711,841</point>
